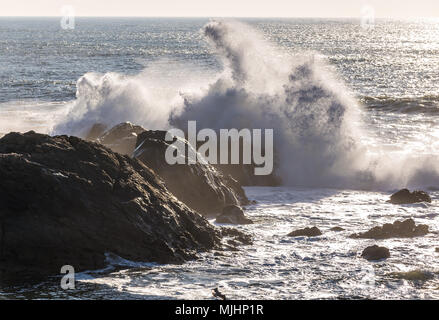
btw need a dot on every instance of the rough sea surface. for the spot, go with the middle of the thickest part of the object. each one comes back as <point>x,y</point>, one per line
<point>138,70</point>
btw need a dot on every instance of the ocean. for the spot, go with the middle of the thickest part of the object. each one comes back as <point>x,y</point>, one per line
<point>355,114</point>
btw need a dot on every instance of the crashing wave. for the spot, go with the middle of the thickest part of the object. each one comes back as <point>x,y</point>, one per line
<point>317,122</point>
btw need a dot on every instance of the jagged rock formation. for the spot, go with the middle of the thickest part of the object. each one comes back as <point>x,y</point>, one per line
<point>375,252</point>
<point>121,138</point>
<point>233,215</point>
<point>244,174</point>
<point>66,201</point>
<point>200,186</point>
<point>404,196</point>
<point>398,229</point>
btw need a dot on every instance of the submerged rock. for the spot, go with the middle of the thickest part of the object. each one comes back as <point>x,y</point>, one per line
<point>375,252</point>
<point>399,229</point>
<point>234,215</point>
<point>404,196</point>
<point>66,201</point>
<point>337,229</point>
<point>307,232</point>
<point>200,186</point>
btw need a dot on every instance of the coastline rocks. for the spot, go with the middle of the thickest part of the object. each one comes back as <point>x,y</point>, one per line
<point>399,229</point>
<point>235,235</point>
<point>233,215</point>
<point>375,252</point>
<point>66,201</point>
<point>307,232</point>
<point>404,196</point>
<point>200,186</point>
<point>337,229</point>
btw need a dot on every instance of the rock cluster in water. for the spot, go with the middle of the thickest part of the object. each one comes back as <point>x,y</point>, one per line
<point>66,201</point>
<point>404,196</point>
<point>306,232</point>
<point>398,229</point>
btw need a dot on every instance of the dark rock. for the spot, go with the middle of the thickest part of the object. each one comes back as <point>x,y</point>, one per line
<point>66,201</point>
<point>307,232</point>
<point>121,138</point>
<point>236,235</point>
<point>404,196</point>
<point>217,294</point>
<point>337,229</point>
<point>415,275</point>
<point>200,186</point>
<point>375,252</point>
<point>399,229</point>
<point>234,215</point>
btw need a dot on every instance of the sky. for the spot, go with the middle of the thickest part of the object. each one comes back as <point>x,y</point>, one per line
<point>223,8</point>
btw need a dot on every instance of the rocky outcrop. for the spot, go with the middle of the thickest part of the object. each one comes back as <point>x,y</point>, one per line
<point>66,201</point>
<point>306,232</point>
<point>233,215</point>
<point>121,138</point>
<point>244,174</point>
<point>200,186</point>
<point>375,252</point>
<point>404,196</point>
<point>398,229</point>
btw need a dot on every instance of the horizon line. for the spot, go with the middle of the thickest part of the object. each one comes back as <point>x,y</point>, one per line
<point>220,17</point>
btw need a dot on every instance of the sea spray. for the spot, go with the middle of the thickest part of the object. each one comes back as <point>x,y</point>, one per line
<point>312,113</point>
<point>319,139</point>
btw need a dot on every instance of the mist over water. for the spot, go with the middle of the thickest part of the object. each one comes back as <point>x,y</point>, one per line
<point>318,123</point>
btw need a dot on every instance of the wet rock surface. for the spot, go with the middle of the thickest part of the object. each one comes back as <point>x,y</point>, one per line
<point>374,253</point>
<point>404,196</point>
<point>244,174</point>
<point>398,229</point>
<point>200,186</point>
<point>306,232</point>
<point>66,201</point>
<point>233,215</point>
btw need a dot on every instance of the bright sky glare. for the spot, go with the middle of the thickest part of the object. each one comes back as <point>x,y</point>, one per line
<point>222,8</point>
